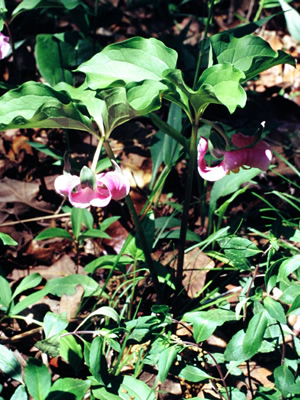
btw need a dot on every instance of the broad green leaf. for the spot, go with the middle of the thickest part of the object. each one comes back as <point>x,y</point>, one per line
<point>254,334</point>
<point>54,324</point>
<point>250,54</point>
<point>108,261</point>
<point>46,150</point>
<point>287,267</point>
<point>26,5</point>
<point>37,379</point>
<point>53,56</point>
<point>134,247</point>
<point>193,374</point>
<point>97,361</point>
<point>67,285</point>
<point>295,307</point>
<point>28,301</point>
<point>133,60</point>
<point>284,379</point>
<point>292,18</point>
<point>5,294</point>
<point>50,346</point>
<point>234,349</point>
<point>9,364</point>
<point>290,294</point>
<point>28,282</point>
<point>206,322</point>
<point>70,351</point>
<point>107,222</point>
<point>218,84</point>
<point>229,184</point>
<point>76,219</point>
<point>65,388</point>
<point>165,361</point>
<point>20,393</point>
<point>7,240</point>
<point>105,312</point>
<point>35,105</point>
<point>50,233</point>
<point>275,309</point>
<point>238,246</point>
<point>94,233</point>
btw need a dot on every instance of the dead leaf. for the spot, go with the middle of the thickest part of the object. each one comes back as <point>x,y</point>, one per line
<point>70,303</point>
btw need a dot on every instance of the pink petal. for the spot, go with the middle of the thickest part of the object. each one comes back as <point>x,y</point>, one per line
<point>259,156</point>
<point>208,173</point>
<point>117,184</point>
<point>4,46</point>
<point>85,197</point>
<point>65,183</point>
<point>240,140</point>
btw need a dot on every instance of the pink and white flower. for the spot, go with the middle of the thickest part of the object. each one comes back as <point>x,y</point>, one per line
<point>257,156</point>
<point>112,185</point>
<point>4,46</point>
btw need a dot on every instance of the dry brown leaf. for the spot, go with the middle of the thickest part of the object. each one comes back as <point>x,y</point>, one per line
<point>63,267</point>
<point>70,303</point>
<point>196,266</point>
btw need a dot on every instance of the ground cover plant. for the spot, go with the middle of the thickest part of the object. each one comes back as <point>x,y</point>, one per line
<point>149,200</point>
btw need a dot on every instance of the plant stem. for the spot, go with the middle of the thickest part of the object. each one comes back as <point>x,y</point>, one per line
<point>186,206</point>
<point>201,51</point>
<point>140,232</point>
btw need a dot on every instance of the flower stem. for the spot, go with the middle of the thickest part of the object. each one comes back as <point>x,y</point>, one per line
<point>186,205</point>
<point>97,153</point>
<point>140,232</point>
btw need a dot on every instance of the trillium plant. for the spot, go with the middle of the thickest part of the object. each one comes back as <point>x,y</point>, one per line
<point>82,87</point>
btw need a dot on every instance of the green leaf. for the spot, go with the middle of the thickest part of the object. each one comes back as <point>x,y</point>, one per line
<point>193,374</point>
<point>292,18</point>
<point>234,349</point>
<point>94,233</point>
<point>284,379</point>
<point>295,307</point>
<point>54,324</point>
<point>50,233</point>
<point>206,322</point>
<point>275,309</point>
<point>5,294</point>
<point>28,301</point>
<point>229,184</point>
<point>290,293</point>
<point>20,393</point>
<point>53,56</point>
<point>105,312</point>
<point>9,364</point>
<point>287,267</point>
<point>67,285</point>
<point>35,105</point>
<point>238,246</point>
<point>77,219</point>
<point>7,240</point>
<point>250,54</point>
<point>165,361</point>
<point>71,351</point>
<point>108,261</point>
<point>28,282</point>
<point>26,5</point>
<point>68,388</point>
<point>37,379</point>
<point>97,361</point>
<point>218,84</point>
<point>132,60</point>
<point>254,334</point>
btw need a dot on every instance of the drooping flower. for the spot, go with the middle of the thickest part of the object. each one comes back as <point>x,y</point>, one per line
<point>4,46</point>
<point>258,156</point>
<point>93,190</point>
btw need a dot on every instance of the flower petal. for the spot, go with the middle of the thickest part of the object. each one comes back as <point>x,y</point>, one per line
<point>4,46</point>
<point>208,173</point>
<point>65,183</point>
<point>259,156</point>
